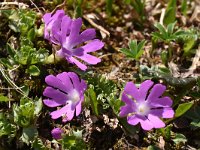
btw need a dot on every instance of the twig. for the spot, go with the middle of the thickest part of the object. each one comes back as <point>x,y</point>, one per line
<point>14,3</point>
<point>35,6</point>
<point>162,15</point>
<point>59,6</point>
<point>11,82</point>
<point>105,55</point>
<point>96,25</point>
<point>195,63</point>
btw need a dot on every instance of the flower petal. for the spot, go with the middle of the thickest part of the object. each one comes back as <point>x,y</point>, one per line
<point>54,94</point>
<point>157,123</point>
<point>145,123</point>
<point>65,27</point>
<point>47,17</point>
<point>92,46</point>
<point>125,110</point>
<point>58,14</point>
<point>65,111</point>
<point>55,82</point>
<point>163,112</point>
<point>131,89</point>
<point>90,59</point>
<point>144,88</point>
<point>52,103</point>
<point>135,119</point>
<point>70,114</point>
<point>64,77</point>
<point>87,35</point>
<point>156,92</point>
<point>60,112</point>
<point>79,64</point>
<point>78,107</point>
<point>125,98</point>
<point>74,34</point>
<point>161,102</point>
<point>75,79</point>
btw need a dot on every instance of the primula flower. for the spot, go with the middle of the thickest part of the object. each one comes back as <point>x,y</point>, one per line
<point>67,90</point>
<point>64,31</point>
<point>53,24</point>
<point>146,109</point>
<point>57,133</point>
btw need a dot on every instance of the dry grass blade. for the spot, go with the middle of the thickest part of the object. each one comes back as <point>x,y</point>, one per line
<point>90,18</point>
<point>195,64</point>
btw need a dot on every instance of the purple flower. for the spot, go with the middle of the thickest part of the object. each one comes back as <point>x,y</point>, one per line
<point>67,90</point>
<point>57,133</point>
<point>75,46</point>
<point>146,109</point>
<point>53,24</point>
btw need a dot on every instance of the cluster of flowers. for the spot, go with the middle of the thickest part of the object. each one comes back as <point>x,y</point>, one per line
<point>61,30</point>
<point>66,90</point>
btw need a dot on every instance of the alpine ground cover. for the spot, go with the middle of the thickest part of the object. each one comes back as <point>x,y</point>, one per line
<point>99,74</point>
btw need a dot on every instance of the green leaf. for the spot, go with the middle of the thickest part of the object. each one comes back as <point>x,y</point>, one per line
<point>24,113</point>
<point>6,62</point>
<point>29,134</point>
<point>133,47</point>
<point>162,30</point>
<point>141,45</point>
<point>170,12</point>
<point>189,44</point>
<point>38,145</point>
<point>139,7</point>
<point>126,52</point>
<point>31,34</point>
<point>73,143</point>
<point>93,100</point>
<point>10,50</point>
<point>164,57</point>
<point>195,125</point>
<point>13,26</point>
<point>33,70</point>
<point>69,141</point>
<point>179,138</point>
<point>183,108</point>
<point>6,127</point>
<point>27,20</point>
<point>166,132</point>
<point>184,7</point>
<point>139,54</point>
<point>135,50</point>
<point>4,98</point>
<point>109,7</point>
<point>38,105</point>
<point>170,28</point>
<point>78,8</point>
<point>105,90</point>
<point>25,90</point>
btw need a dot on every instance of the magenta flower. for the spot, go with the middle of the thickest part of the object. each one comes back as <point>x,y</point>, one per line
<point>146,109</point>
<point>75,46</point>
<point>67,90</point>
<point>57,133</point>
<point>71,48</point>
<point>53,24</point>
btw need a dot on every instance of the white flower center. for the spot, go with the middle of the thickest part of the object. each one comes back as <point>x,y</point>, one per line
<point>143,109</point>
<point>74,96</point>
